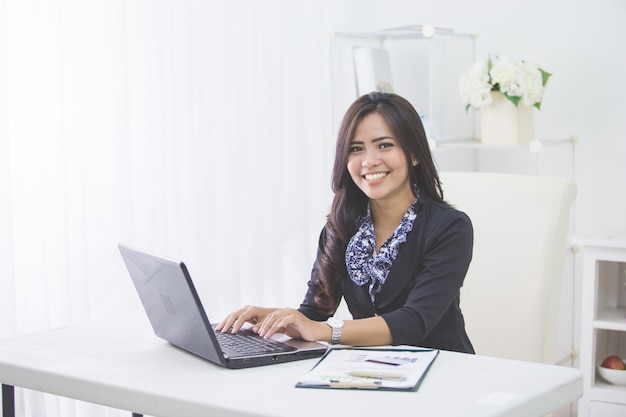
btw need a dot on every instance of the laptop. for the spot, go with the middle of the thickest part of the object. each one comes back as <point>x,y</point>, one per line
<point>176,314</point>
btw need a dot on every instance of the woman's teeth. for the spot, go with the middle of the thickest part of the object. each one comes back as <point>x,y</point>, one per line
<point>377,176</point>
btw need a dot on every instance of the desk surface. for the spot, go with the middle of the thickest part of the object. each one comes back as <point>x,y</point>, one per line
<point>121,364</point>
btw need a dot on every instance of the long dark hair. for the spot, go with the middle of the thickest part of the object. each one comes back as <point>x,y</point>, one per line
<point>350,203</point>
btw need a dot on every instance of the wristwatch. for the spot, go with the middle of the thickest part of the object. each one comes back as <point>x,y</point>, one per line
<point>335,324</point>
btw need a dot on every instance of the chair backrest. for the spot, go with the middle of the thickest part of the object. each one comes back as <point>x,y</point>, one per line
<point>511,294</point>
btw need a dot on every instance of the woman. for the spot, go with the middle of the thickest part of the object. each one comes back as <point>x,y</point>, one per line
<point>391,247</point>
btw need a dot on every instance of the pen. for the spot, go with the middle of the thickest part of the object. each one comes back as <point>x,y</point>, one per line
<point>378,375</point>
<point>358,385</point>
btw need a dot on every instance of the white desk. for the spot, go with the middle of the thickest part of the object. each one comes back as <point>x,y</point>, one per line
<point>121,364</point>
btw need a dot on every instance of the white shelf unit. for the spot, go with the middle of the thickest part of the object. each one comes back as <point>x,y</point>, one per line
<point>550,157</point>
<point>603,320</point>
<point>425,71</point>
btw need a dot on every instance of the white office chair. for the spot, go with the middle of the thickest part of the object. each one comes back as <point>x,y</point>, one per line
<point>511,294</point>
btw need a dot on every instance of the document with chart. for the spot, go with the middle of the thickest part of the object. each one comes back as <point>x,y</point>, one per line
<point>363,368</point>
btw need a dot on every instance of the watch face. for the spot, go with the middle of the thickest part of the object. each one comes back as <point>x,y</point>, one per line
<point>335,322</point>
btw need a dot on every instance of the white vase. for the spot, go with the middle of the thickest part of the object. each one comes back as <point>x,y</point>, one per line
<point>502,123</point>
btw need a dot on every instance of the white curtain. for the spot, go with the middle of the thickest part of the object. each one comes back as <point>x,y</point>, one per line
<point>197,129</point>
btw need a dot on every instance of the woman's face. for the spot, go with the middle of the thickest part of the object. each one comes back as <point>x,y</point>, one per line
<point>377,163</point>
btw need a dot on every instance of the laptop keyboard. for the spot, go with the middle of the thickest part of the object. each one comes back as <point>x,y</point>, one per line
<point>244,342</point>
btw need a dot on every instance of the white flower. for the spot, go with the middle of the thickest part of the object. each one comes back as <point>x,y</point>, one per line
<point>474,86</point>
<point>516,79</point>
<point>508,74</point>
<point>532,84</point>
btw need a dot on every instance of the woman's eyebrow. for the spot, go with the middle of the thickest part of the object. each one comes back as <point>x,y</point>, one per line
<point>373,140</point>
<point>382,138</point>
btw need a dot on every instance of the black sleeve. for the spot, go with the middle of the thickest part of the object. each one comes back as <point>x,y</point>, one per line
<point>309,307</point>
<point>447,255</point>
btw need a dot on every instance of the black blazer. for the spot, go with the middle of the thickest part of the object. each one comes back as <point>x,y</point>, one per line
<point>420,298</point>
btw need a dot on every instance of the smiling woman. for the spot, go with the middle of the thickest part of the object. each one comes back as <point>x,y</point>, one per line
<point>168,124</point>
<point>392,248</point>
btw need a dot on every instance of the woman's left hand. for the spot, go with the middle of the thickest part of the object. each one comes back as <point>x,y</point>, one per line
<point>294,324</point>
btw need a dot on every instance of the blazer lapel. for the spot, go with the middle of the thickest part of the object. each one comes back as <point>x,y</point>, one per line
<point>358,299</point>
<point>405,266</point>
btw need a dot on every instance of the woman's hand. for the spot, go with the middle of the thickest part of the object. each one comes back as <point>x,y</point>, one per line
<point>251,314</point>
<point>294,324</point>
<point>268,321</point>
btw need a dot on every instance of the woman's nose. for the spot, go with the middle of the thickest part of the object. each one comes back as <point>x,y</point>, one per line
<point>369,162</point>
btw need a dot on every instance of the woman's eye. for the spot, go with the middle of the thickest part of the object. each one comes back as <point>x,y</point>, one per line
<point>385,145</point>
<point>354,149</point>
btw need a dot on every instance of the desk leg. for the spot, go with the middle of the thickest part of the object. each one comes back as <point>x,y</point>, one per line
<point>8,401</point>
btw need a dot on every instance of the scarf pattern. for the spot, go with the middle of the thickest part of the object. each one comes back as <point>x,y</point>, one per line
<point>365,266</point>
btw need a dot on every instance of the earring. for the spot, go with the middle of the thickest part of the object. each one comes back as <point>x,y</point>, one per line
<point>414,161</point>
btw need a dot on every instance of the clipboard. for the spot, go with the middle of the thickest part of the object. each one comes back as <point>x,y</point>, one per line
<point>370,369</point>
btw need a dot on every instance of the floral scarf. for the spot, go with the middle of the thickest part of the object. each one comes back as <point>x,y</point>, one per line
<point>365,266</point>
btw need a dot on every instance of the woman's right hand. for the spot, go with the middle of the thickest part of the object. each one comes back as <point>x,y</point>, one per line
<point>250,314</point>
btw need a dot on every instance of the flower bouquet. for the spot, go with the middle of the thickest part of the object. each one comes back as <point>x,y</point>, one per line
<point>505,90</point>
<point>519,81</point>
